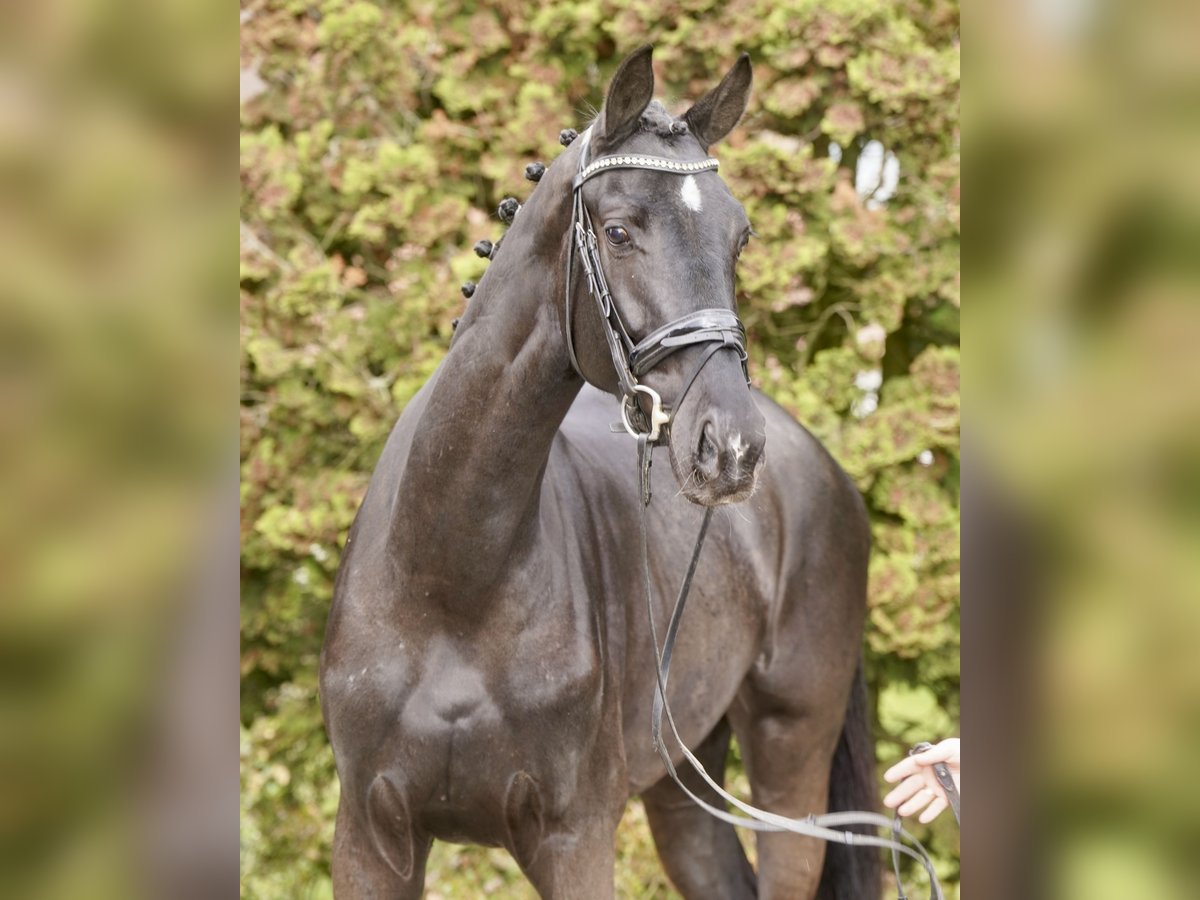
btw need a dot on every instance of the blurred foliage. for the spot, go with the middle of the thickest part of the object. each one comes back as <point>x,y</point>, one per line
<point>376,141</point>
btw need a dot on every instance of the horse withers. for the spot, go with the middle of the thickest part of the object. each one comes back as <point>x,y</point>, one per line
<point>488,673</point>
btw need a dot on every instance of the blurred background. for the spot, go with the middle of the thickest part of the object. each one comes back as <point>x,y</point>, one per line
<point>120,367</point>
<point>1082,127</point>
<point>118,380</point>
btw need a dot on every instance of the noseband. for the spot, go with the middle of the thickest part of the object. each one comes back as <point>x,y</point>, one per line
<point>632,360</point>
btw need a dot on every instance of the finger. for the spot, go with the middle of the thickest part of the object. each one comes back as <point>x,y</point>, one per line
<point>933,810</point>
<point>946,751</point>
<point>905,790</point>
<point>920,799</point>
<point>902,769</point>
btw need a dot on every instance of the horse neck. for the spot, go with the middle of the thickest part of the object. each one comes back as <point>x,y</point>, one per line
<point>468,499</point>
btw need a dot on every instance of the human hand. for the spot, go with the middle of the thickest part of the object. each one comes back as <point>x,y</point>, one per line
<point>920,788</point>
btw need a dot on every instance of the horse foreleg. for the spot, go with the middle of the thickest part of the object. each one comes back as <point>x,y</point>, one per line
<point>575,862</point>
<point>376,852</point>
<point>702,855</point>
<point>788,758</point>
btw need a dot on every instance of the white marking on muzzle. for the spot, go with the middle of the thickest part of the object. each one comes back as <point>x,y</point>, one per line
<point>739,449</point>
<point>690,194</point>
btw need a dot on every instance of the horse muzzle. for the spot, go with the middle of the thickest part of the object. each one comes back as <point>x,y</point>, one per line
<point>718,456</point>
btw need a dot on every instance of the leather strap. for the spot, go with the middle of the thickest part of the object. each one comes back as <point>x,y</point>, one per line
<point>642,161</point>
<point>942,773</point>
<point>827,827</point>
<point>717,325</point>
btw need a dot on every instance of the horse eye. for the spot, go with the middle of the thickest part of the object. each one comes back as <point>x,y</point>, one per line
<point>744,241</point>
<point>616,234</point>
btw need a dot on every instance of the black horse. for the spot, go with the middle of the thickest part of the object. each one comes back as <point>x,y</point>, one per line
<point>488,674</point>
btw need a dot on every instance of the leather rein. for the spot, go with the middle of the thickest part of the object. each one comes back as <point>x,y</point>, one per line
<point>720,328</point>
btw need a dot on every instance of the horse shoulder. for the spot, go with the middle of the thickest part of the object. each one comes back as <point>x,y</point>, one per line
<point>816,613</point>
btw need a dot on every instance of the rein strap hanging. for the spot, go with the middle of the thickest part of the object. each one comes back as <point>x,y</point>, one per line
<point>829,827</point>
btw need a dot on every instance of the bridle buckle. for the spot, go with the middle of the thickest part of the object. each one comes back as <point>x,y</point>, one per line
<point>658,416</point>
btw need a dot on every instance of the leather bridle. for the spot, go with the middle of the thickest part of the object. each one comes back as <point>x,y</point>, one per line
<point>632,360</point>
<point>720,328</point>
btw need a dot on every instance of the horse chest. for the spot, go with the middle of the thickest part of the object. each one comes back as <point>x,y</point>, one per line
<point>475,708</point>
<point>495,680</point>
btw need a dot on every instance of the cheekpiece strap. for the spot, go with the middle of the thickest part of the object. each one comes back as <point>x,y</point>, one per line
<point>657,163</point>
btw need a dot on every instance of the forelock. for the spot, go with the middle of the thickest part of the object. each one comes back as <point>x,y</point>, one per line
<point>657,121</point>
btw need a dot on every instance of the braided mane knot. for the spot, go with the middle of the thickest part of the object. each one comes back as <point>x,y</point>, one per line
<point>658,121</point>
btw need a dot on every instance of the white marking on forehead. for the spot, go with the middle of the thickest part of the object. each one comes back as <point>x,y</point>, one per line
<point>690,194</point>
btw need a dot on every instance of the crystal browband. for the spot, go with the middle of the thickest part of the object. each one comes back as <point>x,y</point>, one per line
<point>660,163</point>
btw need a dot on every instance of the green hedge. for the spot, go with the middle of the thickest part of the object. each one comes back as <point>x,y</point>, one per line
<point>376,143</point>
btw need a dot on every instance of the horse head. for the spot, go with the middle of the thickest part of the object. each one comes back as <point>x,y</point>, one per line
<point>667,235</point>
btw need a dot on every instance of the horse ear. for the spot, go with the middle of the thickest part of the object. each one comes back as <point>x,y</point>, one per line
<point>629,94</point>
<point>718,111</point>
